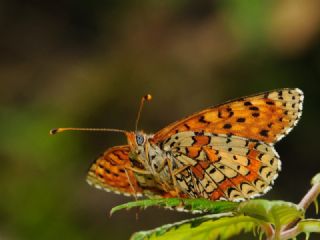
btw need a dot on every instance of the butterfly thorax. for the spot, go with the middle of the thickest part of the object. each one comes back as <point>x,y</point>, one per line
<point>149,156</point>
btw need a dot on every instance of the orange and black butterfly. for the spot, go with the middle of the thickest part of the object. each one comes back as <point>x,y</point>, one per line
<point>225,152</point>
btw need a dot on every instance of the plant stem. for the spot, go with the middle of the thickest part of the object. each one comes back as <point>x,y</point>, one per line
<point>290,231</point>
<point>310,197</point>
<point>269,231</point>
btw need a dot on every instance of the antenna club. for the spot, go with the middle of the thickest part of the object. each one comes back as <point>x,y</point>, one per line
<point>54,131</point>
<point>148,97</point>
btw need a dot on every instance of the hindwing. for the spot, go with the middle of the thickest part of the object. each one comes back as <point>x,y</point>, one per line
<point>223,166</point>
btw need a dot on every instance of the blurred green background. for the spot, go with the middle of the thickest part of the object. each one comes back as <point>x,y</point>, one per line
<point>87,64</point>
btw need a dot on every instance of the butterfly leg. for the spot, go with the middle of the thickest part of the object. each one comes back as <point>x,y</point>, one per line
<point>138,170</point>
<point>173,174</point>
<point>131,185</point>
<point>181,169</point>
<point>174,180</point>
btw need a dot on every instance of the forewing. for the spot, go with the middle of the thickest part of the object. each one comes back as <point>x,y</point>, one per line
<point>266,117</point>
<point>110,172</point>
<point>222,166</point>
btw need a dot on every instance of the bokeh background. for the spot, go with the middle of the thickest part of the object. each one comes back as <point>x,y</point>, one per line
<point>87,64</point>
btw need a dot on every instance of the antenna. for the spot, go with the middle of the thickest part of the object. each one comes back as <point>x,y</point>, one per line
<point>147,97</point>
<point>58,130</point>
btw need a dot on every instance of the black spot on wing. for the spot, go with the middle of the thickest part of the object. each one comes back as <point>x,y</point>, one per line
<point>253,108</point>
<point>241,119</point>
<point>227,126</point>
<point>264,133</point>
<point>186,126</point>
<point>202,120</point>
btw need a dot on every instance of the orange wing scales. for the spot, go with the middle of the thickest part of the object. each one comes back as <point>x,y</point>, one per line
<point>266,117</point>
<point>108,172</point>
<point>223,166</point>
<point>112,172</point>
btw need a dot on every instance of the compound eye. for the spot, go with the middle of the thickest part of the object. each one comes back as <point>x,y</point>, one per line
<point>139,139</point>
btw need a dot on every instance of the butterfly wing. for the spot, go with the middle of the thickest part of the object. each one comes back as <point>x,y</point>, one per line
<point>267,117</point>
<point>223,166</point>
<point>226,152</point>
<point>111,172</point>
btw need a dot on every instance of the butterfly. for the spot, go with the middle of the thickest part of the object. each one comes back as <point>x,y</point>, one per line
<point>225,152</point>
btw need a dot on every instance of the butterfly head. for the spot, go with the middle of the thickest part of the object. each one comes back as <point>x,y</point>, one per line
<point>140,139</point>
<point>137,141</point>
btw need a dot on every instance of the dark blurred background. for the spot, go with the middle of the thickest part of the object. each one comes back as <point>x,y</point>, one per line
<point>87,64</point>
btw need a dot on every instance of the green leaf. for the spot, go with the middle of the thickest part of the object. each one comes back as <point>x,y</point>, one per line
<point>278,213</point>
<point>193,205</point>
<point>215,226</point>
<point>309,226</point>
